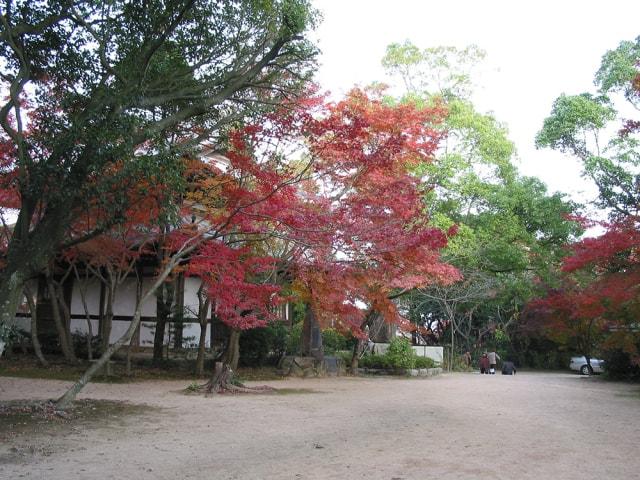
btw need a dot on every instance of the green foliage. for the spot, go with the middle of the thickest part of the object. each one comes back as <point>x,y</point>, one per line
<point>193,387</point>
<point>424,362</point>
<point>375,361</point>
<point>618,69</point>
<point>263,346</point>
<point>79,341</point>
<point>508,227</point>
<point>333,341</point>
<point>443,71</point>
<point>582,126</point>
<point>294,340</point>
<point>573,119</point>
<point>9,334</point>
<point>400,354</point>
<point>120,91</point>
<point>345,356</point>
<point>619,365</point>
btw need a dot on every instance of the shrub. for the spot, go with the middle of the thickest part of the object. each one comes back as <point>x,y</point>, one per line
<point>9,334</point>
<point>375,361</point>
<point>345,356</point>
<point>79,340</point>
<point>333,341</point>
<point>400,354</point>
<point>424,362</point>
<point>294,339</point>
<point>263,346</point>
<point>618,365</point>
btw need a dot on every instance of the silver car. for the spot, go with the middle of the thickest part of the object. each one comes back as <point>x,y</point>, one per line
<point>579,364</point>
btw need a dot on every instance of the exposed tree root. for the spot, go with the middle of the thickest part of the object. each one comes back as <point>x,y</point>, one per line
<point>223,381</point>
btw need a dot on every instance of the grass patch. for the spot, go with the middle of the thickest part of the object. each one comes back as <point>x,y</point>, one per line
<point>294,391</point>
<point>27,427</point>
<point>141,370</point>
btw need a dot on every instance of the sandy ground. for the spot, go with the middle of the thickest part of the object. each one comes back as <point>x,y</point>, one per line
<point>458,426</point>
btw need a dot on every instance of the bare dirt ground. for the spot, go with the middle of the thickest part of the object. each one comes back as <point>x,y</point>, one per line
<point>458,426</point>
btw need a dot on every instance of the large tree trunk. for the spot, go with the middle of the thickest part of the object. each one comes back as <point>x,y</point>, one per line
<point>136,333</point>
<point>222,381</point>
<point>358,348</point>
<point>35,341</point>
<point>29,252</point>
<point>202,342</point>
<point>178,313</point>
<point>204,305</point>
<point>231,355</point>
<point>10,294</point>
<point>107,319</point>
<point>82,288</point>
<point>164,301</point>
<point>60,323</point>
<point>311,335</point>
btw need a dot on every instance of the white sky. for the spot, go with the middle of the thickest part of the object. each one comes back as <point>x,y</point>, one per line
<point>535,52</point>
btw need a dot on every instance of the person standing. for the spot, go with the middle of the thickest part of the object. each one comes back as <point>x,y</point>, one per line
<point>493,361</point>
<point>466,359</point>
<point>484,363</point>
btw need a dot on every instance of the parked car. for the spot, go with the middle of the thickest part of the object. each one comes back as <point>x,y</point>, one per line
<point>579,364</point>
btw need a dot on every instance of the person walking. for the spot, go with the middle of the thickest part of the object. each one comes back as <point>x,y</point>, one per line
<point>493,361</point>
<point>484,363</point>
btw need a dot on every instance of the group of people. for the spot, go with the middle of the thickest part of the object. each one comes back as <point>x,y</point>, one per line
<point>489,361</point>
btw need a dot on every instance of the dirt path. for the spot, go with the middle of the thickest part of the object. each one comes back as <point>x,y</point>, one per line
<point>460,426</point>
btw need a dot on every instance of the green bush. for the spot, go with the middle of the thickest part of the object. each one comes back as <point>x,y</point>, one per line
<point>294,339</point>
<point>400,354</point>
<point>345,356</point>
<point>424,362</point>
<point>263,346</point>
<point>79,340</point>
<point>333,341</point>
<point>619,366</point>
<point>375,361</point>
<point>9,334</point>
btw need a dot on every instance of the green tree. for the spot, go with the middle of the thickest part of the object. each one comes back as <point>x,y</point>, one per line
<point>584,125</point>
<point>104,95</point>
<point>510,230</point>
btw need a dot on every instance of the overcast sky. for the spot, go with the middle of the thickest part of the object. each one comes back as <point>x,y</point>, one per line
<point>535,51</point>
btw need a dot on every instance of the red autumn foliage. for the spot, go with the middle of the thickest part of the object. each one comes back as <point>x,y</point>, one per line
<point>325,185</point>
<point>371,206</point>
<point>599,293</point>
<point>347,215</point>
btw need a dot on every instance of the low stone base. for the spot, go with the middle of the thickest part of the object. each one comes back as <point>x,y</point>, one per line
<point>412,372</point>
<point>294,366</point>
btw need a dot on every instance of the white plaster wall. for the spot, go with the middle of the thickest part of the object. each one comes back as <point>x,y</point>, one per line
<point>434,353</point>
<point>80,325</point>
<point>147,331</point>
<point>92,296</point>
<point>125,303</point>
<point>125,298</point>
<point>191,286</point>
